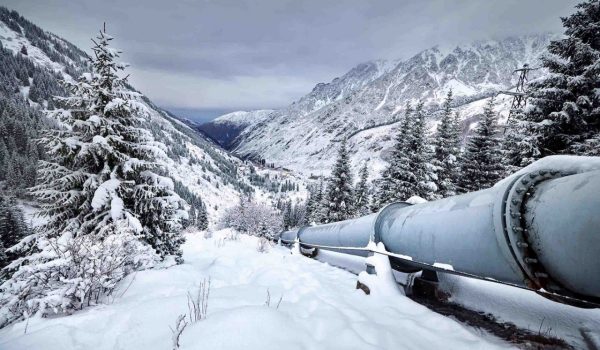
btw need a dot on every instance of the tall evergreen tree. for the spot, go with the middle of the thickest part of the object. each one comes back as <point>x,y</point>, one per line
<point>361,193</point>
<point>446,151</point>
<point>202,218</point>
<point>287,215</point>
<point>312,211</point>
<point>482,161</point>
<point>107,210</point>
<point>387,185</point>
<point>12,228</point>
<point>338,201</point>
<point>410,172</point>
<point>103,169</point>
<point>563,115</point>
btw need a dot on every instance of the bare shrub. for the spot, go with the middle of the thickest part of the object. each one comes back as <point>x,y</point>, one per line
<point>198,303</point>
<point>197,310</point>
<point>208,234</point>
<point>268,301</point>
<point>180,324</point>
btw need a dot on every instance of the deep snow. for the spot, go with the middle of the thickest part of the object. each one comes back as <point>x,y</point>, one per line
<point>320,309</point>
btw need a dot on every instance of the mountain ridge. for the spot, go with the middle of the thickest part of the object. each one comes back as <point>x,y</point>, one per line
<point>302,135</point>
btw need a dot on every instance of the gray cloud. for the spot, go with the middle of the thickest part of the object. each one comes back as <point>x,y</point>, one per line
<point>228,54</point>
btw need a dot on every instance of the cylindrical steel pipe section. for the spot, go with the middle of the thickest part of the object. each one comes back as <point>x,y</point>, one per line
<point>539,230</point>
<point>355,233</point>
<point>563,219</point>
<point>457,233</point>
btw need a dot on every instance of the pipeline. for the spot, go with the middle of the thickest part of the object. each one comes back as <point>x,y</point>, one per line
<point>538,230</point>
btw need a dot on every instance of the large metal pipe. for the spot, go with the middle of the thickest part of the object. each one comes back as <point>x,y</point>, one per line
<point>539,230</point>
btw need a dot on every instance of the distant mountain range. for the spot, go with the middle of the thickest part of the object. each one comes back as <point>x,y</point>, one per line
<point>226,128</point>
<point>364,104</point>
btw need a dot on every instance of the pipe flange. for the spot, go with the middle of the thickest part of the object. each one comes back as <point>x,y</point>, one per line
<point>517,232</point>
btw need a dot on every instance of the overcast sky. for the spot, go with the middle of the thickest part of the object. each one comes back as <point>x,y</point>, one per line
<point>204,57</point>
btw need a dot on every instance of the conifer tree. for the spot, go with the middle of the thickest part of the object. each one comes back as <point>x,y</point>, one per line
<point>338,200</point>
<point>446,151</point>
<point>107,211</point>
<point>563,115</point>
<point>12,227</point>
<point>361,193</point>
<point>482,161</point>
<point>410,172</point>
<point>202,218</point>
<point>312,207</point>
<point>317,215</point>
<point>386,186</point>
<point>287,215</point>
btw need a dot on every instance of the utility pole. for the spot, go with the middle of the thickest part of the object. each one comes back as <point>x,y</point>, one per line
<point>519,95</point>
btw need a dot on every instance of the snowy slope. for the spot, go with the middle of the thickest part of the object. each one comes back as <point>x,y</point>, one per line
<point>303,135</point>
<point>242,118</point>
<point>320,309</point>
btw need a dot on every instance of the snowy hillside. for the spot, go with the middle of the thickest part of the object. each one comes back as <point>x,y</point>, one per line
<point>194,161</point>
<point>271,300</point>
<point>303,135</point>
<point>226,128</point>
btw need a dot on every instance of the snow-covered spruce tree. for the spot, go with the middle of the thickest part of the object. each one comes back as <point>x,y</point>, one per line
<point>202,218</point>
<point>309,206</point>
<point>107,213</point>
<point>314,208</point>
<point>361,193</point>
<point>481,163</point>
<point>12,229</point>
<point>386,186</point>
<point>338,200</point>
<point>287,215</point>
<point>446,151</point>
<point>410,172</point>
<point>563,115</point>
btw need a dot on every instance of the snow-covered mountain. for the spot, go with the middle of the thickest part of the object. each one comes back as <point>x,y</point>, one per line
<point>364,104</point>
<point>198,166</point>
<point>227,127</point>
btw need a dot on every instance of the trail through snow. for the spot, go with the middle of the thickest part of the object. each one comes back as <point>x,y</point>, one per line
<point>320,309</point>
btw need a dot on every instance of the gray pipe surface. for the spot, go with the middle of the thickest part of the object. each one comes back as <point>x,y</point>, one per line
<point>539,230</point>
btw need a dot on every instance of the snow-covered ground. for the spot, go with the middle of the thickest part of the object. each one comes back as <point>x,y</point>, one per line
<point>320,309</point>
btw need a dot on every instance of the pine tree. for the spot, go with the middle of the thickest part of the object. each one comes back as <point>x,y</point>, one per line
<point>338,201</point>
<point>386,186</point>
<point>193,217</point>
<point>4,159</point>
<point>317,212</point>
<point>482,161</point>
<point>202,218</point>
<point>12,226</point>
<point>111,167</point>
<point>108,212</point>
<point>361,193</point>
<point>312,206</point>
<point>287,215</point>
<point>563,115</point>
<point>410,172</point>
<point>446,151</point>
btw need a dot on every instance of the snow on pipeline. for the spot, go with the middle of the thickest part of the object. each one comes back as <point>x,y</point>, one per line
<point>273,300</point>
